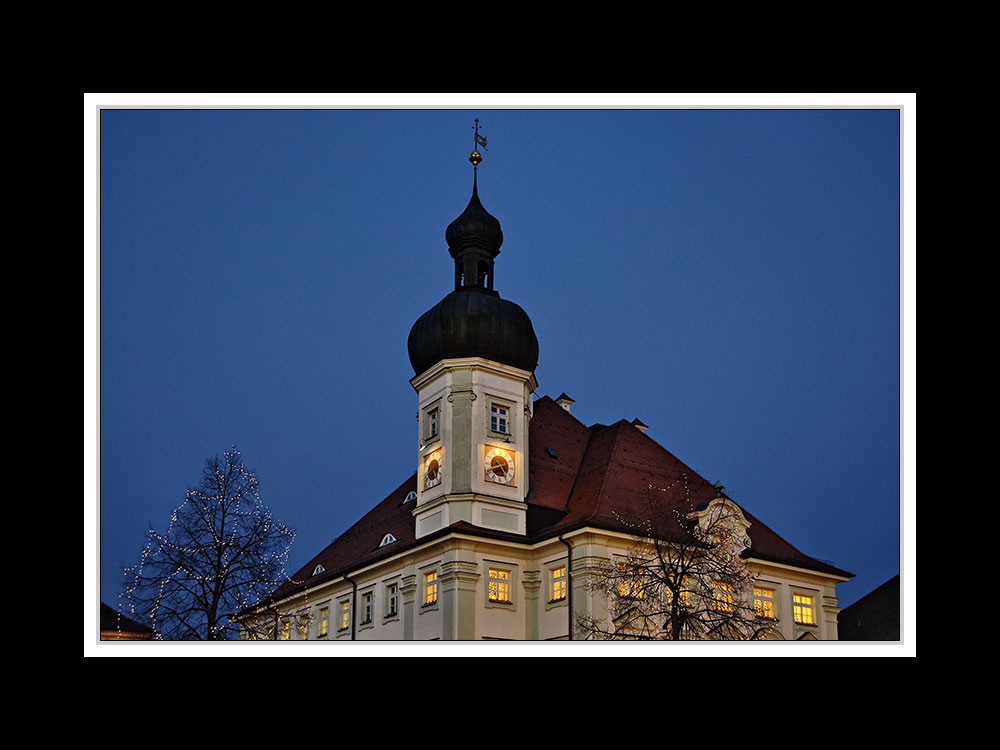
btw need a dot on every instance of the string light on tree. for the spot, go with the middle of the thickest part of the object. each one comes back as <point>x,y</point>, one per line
<point>222,551</point>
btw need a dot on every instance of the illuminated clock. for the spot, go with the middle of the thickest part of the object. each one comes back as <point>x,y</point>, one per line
<point>432,469</point>
<point>499,466</point>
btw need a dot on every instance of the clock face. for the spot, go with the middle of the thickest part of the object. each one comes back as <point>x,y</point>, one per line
<point>499,466</point>
<point>432,469</point>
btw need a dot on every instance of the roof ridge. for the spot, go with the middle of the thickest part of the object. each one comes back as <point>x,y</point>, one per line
<point>564,411</point>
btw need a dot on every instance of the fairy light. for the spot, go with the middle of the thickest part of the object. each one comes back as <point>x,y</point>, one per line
<point>231,525</point>
<point>703,561</point>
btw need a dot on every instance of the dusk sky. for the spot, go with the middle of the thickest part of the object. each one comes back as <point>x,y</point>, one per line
<point>730,276</point>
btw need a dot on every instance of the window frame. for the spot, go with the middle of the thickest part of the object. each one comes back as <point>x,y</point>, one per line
<point>558,581</point>
<point>509,407</point>
<point>431,429</point>
<point>504,580</point>
<point>343,615</point>
<point>766,600</point>
<point>630,586</point>
<point>391,608</point>
<point>800,607</point>
<point>498,585</point>
<point>323,621</point>
<point>723,597</point>
<point>367,608</point>
<point>429,581</point>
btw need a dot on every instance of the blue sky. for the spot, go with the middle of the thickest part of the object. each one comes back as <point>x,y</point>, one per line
<point>729,276</point>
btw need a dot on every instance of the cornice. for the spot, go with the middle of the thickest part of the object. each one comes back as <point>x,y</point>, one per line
<point>473,363</point>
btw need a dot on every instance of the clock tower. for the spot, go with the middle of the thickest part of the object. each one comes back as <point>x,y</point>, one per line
<point>474,355</point>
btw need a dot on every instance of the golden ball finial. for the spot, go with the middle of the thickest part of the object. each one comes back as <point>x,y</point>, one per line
<point>475,157</point>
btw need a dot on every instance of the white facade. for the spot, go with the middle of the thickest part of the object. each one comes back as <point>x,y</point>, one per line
<point>466,587</point>
<point>473,419</point>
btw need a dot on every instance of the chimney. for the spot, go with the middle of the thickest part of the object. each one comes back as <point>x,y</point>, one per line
<point>565,401</point>
<point>637,423</point>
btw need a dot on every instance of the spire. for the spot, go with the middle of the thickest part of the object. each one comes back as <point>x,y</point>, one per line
<point>473,320</point>
<point>474,238</point>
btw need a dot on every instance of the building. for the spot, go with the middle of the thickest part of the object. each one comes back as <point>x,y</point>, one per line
<point>117,627</point>
<point>873,617</point>
<point>500,531</point>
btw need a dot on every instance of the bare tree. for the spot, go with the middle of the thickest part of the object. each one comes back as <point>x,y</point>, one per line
<point>223,551</point>
<point>268,623</point>
<point>682,578</point>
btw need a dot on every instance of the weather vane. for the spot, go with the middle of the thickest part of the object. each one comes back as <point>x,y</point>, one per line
<point>475,157</point>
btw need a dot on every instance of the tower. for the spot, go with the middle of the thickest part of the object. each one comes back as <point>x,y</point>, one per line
<point>473,355</point>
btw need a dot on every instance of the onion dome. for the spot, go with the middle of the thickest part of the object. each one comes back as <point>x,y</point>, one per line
<point>475,227</point>
<point>473,320</point>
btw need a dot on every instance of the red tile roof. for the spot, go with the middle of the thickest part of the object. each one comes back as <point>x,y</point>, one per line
<point>604,476</point>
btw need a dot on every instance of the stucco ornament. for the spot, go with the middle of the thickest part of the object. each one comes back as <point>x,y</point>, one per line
<point>722,524</point>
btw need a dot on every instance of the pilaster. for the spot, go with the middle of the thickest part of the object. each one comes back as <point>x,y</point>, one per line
<point>459,579</point>
<point>461,396</point>
<point>531,584</point>
<point>408,593</point>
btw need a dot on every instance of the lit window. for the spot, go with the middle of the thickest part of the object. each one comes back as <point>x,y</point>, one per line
<point>345,615</point>
<point>303,629</point>
<point>286,630</point>
<point>430,587</point>
<point>685,593</point>
<point>722,596</point>
<point>763,602</point>
<point>324,621</point>
<point>629,582</point>
<point>498,419</point>
<point>391,599</point>
<point>499,590</point>
<point>367,609</point>
<point>802,609</point>
<point>558,587</point>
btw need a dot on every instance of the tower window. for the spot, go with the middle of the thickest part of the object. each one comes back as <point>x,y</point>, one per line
<point>498,419</point>
<point>431,429</point>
